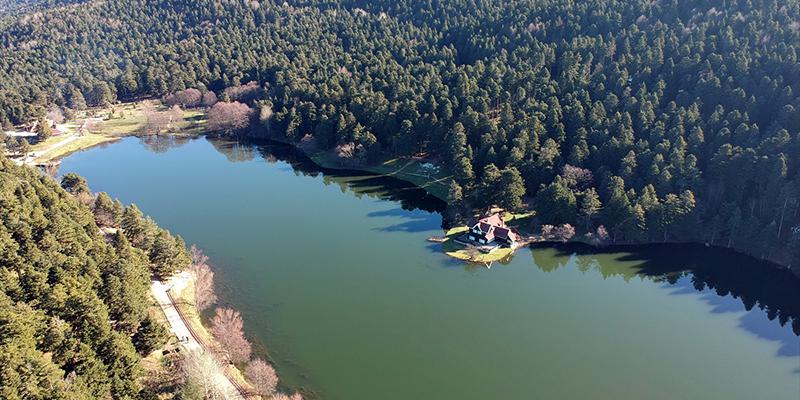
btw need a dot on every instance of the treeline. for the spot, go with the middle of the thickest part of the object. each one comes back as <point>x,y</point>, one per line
<point>683,114</point>
<point>74,300</point>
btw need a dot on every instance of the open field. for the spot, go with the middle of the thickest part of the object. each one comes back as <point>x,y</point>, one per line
<point>79,143</point>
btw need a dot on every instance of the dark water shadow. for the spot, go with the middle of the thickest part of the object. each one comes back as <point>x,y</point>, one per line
<point>359,183</point>
<point>416,221</point>
<point>727,281</point>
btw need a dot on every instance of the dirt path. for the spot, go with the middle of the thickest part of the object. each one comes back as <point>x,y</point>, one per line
<point>180,328</point>
<point>32,156</point>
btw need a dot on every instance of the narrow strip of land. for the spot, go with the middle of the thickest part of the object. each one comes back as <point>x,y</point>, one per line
<point>180,328</point>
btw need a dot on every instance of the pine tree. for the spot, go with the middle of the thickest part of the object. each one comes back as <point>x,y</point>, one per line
<point>150,336</point>
<point>556,203</point>
<point>136,228</point>
<point>168,255</point>
<point>510,189</point>
<point>590,206</point>
<point>106,212</point>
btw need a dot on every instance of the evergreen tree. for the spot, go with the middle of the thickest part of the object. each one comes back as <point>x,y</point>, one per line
<point>150,336</point>
<point>510,189</point>
<point>556,203</point>
<point>75,184</point>
<point>168,254</point>
<point>590,206</point>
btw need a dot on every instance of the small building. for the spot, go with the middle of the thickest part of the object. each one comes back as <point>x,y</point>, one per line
<point>492,230</point>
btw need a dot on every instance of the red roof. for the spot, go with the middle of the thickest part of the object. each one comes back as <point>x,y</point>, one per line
<point>493,226</point>
<point>506,233</point>
<point>493,220</point>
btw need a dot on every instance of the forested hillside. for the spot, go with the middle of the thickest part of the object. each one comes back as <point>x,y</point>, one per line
<point>73,302</point>
<point>665,120</point>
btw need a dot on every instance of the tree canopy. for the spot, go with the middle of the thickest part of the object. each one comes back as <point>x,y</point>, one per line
<point>73,303</point>
<point>658,100</point>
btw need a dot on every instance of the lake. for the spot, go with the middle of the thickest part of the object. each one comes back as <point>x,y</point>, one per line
<point>339,287</point>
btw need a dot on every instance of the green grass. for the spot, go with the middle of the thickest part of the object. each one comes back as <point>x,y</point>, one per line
<point>128,119</point>
<point>132,120</point>
<point>83,142</point>
<point>49,142</point>
<point>522,222</point>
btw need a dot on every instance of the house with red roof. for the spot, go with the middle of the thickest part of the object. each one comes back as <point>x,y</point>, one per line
<point>492,230</point>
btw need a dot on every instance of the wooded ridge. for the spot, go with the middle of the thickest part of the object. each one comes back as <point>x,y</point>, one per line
<point>664,121</point>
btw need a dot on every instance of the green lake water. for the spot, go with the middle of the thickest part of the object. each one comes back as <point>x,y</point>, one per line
<point>340,288</point>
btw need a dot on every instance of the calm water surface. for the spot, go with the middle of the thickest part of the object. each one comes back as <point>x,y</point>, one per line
<point>340,289</point>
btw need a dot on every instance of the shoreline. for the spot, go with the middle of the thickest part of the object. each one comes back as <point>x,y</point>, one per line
<point>577,240</point>
<point>189,338</point>
<point>194,119</point>
<point>123,120</point>
<point>183,299</point>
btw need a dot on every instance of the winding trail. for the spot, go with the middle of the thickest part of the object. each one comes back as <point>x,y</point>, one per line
<point>180,328</point>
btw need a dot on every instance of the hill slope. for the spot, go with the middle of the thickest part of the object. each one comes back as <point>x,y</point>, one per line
<point>662,120</point>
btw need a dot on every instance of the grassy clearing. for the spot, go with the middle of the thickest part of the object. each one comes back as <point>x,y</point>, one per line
<point>49,142</point>
<point>108,124</point>
<point>432,180</point>
<point>128,119</point>
<point>522,222</point>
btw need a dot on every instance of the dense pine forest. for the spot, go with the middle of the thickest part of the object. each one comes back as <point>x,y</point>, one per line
<point>669,120</point>
<point>74,300</point>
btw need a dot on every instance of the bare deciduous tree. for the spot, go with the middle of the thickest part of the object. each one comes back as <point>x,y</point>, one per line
<point>262,376</point>
<point>55,114</point>
<point>154,121</point>
<point>175,115</point>
<point>197,255</point>
<point>547,231</point>
<point>248,92</point>
<point>201,369</point>
<point>227,326</point>
<point>204,295</point>
<point>564,232</point>
<point>598,238</point>
<point>283,396</point>
<point>185,98</point>
<point>580,178</point>
<point>229,117</point>
<point>209,99</point>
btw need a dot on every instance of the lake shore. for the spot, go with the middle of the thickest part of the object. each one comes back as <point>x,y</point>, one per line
<point>418,172</point>
<point>182,295</point>
<point>102,125</point>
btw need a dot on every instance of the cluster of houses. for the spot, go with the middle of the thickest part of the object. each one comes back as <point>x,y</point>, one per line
<point>490,232</point>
